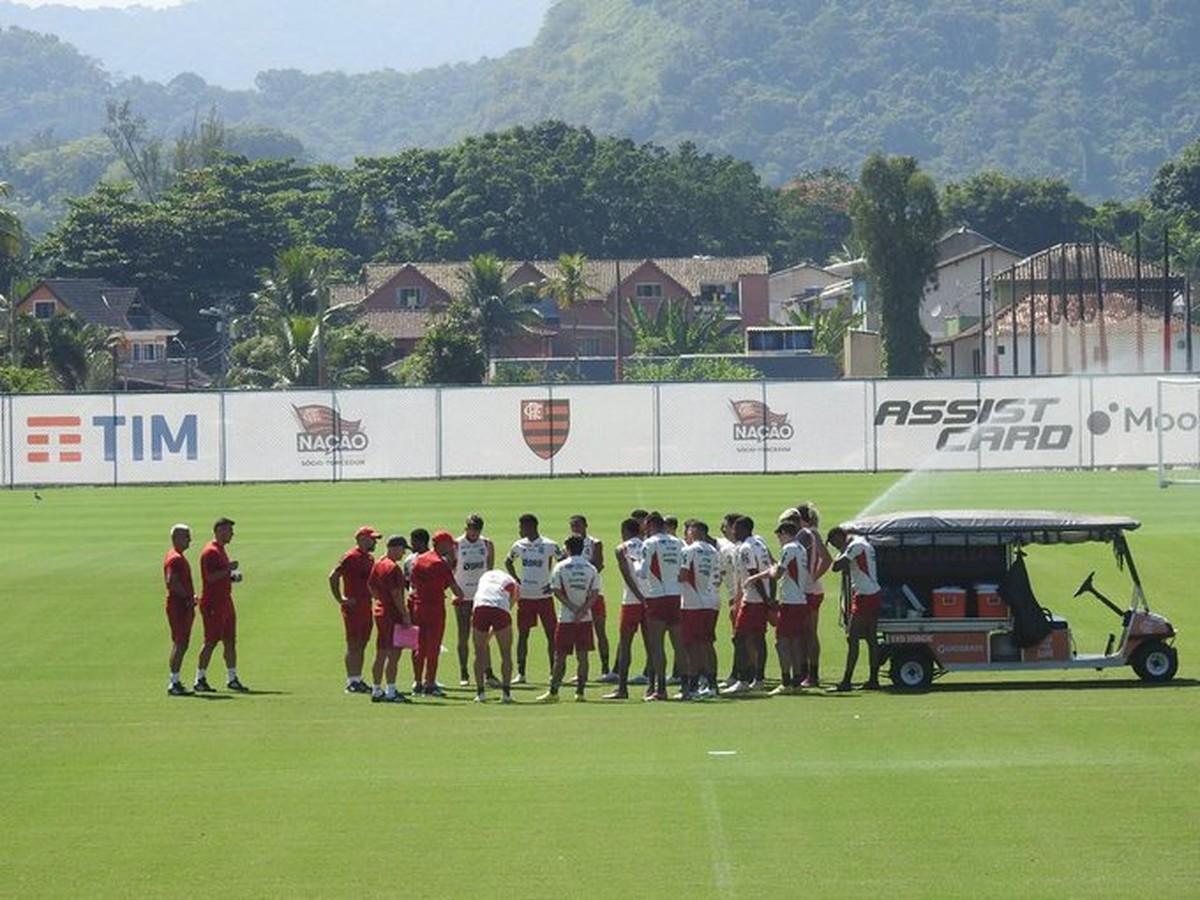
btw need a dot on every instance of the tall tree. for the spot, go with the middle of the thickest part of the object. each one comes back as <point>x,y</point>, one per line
<point>897,221</point>
<point>141,154</point>
<point>488,309</point>
<point>568,287</point>
<point>1024,214</point>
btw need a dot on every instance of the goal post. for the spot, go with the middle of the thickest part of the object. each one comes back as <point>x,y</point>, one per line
<point>1177,430</point>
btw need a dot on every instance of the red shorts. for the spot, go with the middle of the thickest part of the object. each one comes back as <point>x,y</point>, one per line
<point>698,626</point>
<point>814,602</point>
<point>773,615</point>
<point>599,610</point>
<point>220,623</point>
<point>866,605</point>
<point>572,637</point>
<point>794,620</point>
<point>751,619</point>
<point>530,610</point>
<point>357,619</point>
<point>633,617</point>
<point>430,615</point>
<point>180,617</point>
<point>490,618</point>
<point>663,609</point>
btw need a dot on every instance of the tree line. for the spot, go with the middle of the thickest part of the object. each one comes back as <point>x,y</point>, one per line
<point>200,225</point>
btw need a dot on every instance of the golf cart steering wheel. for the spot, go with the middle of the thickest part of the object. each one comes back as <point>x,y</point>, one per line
<point>1086,587</point>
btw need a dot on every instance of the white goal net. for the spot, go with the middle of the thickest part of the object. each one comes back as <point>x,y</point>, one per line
<point>1177,429</point>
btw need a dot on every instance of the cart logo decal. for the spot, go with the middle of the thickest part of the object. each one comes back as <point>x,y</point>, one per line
<point>545,425</point>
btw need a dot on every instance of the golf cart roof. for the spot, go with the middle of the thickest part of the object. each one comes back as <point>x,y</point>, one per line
<point>989,526</point>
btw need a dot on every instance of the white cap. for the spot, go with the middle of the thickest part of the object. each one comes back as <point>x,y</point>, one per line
<point>178,527</point>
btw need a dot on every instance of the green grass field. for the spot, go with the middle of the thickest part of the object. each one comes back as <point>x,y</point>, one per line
<point>999,785</point>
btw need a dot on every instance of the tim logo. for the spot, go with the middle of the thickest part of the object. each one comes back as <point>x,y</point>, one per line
<point>54,439</point>
<point>323,430</point>
<point>756,422</point>
<point>545,425</point>
<point>59,439</point>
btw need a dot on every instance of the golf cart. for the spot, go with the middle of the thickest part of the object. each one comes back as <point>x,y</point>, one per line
<point>957,596</point>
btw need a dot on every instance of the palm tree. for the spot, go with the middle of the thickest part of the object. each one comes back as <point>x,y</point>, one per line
<point>284,334</point>
<point>75,355</point>
<point>569,289</point>
<point>489,308</point>
<point>678,328</point>
<point>829,327</point>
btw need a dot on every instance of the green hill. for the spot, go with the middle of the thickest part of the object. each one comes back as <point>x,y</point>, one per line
<point>1099,93</point>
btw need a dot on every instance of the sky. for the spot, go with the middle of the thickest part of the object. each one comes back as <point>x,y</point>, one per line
<point>97,4</point>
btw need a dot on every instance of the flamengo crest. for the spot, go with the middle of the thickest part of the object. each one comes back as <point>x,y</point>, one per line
<point>545,425</point>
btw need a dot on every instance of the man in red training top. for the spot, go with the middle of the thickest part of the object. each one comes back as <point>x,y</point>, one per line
<point>432,574</point>
<point>181,603</point>
<point>348,583</point>
<point>217,575</point>
<point>388,584</point>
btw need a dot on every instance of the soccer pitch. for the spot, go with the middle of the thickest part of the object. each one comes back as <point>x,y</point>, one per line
<point>1050,784</point>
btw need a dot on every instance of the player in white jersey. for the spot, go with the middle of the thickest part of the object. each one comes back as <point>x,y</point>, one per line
<point>791,578</point>
<point>750,625</point>
<point>593,552</point>
<point>538,556</point>
<point>633,608</point>
<point>728,549</point>
<point>699,574</point>
<point>856,557</point>
<point>474,555</point>
<point>494,598</point>
<point>819,561</point>
<point>659,568</point>
<point>576,584</point>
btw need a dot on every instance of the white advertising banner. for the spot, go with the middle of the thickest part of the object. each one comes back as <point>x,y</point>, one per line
<point>326,436</point>
<point>611,429</point>
<point>924,424</point>
<point>989,424</point>
<point>115,439</point>
<point>500,431</point>
<point>832,422</point>
<point>1123,425</point>
<point>723,427</point>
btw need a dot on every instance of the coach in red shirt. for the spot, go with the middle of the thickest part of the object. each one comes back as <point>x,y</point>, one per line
<point>348,582</point>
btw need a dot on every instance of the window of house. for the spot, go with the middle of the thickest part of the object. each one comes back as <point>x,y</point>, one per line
<point>409,298</point>
<point>722,296</point>
<point>136,350</point>
<point>43,309</point>
<point>589,346</point>
<point>149,352</point>
<point>648,290</point>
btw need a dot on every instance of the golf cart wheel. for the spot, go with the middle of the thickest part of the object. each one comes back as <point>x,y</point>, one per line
<point>1155,661</point>
<point>912,670</point>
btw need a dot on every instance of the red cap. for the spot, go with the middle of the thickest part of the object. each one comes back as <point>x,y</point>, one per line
<point>367,531</point>
<point>443,537</point>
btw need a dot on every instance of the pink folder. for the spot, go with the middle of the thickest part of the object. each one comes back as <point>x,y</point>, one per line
<point>405,636</point>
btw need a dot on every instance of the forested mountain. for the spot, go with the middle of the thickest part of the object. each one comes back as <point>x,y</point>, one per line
<point>228,42</point>
<point>1097,92</point>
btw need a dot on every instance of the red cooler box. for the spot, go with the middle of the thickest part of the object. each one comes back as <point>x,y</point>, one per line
<point>989,603</point>
<point>949,602</point>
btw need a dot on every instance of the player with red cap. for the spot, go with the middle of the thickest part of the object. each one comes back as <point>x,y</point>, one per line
<point>432,574</point>
<point>348,583</point>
